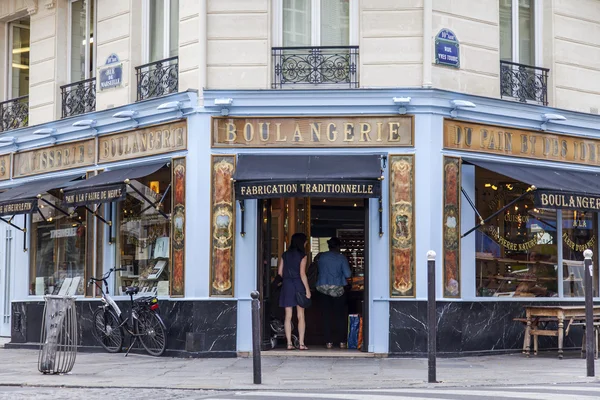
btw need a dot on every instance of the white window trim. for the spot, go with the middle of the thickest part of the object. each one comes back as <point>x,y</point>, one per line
<point>537,35</point>
<point>277,31</point>
<point>87,45</point>
<point>8,94</point>
<point>146,30</point>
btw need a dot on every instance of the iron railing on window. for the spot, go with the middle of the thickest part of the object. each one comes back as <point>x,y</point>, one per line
<point>157,78</point>
<point>78,97</point>
<point>524,82</point>
<point>14,113</point>
<point>326,65</point>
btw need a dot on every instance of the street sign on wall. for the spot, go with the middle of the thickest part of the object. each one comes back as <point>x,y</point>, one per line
<point>447,51</point>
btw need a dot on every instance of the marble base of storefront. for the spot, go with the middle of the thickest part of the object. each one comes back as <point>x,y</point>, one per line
<point>194,328</point>
<point>467,328</point>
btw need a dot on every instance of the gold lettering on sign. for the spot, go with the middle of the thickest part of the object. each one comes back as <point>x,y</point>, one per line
<point>520,143</point>
<point>396,131</point>
<point>55,158</point>
<point>154,140</point>
<point>306,188</point>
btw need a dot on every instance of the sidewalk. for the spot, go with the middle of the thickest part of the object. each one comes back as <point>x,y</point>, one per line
<point>19,367</point>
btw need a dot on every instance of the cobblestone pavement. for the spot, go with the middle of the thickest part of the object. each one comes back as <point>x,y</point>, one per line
<point>45,393</point>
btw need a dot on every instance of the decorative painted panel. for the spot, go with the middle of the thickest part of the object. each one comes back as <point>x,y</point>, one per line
<point>222,226</point>
<point>178,228</point>
<point>451,228</point>
<point>402,225</point>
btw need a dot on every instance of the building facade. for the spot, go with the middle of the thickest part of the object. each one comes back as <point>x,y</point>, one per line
<point>408,123</point>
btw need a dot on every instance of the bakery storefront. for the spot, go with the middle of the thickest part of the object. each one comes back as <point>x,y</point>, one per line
<point>322,176</point>
<point>520,207</point>
<point>119,200</point>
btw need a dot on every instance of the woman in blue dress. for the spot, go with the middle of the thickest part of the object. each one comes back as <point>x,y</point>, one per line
<point>292,268</point>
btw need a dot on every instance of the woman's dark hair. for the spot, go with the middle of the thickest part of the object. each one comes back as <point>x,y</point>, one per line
<point>297,242</point>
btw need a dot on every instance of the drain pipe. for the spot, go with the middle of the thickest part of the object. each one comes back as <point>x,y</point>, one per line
<point>427,26</point>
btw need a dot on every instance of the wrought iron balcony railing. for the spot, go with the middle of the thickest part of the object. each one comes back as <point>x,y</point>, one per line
<point>157,78</point>
<point>14,113</point>
<point>315,66</point>
<point>524,83</point>
<point>78,98</point>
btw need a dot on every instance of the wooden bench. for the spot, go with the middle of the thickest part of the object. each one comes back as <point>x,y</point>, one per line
<point>535,321</point>
<point>596,323</point>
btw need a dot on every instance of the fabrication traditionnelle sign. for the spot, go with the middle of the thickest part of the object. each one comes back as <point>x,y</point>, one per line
<point>255,190</point>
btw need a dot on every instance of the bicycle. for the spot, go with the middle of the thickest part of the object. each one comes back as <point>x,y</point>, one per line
<point>143,322</point>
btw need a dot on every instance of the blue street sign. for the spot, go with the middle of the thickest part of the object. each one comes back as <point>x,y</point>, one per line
<point>111,77</point>
<point>112,59</point>
<point>447,51</point>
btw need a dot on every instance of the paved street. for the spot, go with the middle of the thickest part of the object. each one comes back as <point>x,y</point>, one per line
<point>549,392</point>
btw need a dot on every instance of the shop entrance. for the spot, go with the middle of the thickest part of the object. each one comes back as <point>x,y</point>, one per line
<point>320,218</point>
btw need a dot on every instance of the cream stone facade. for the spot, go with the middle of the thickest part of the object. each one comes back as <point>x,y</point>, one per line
<point>226,44</point>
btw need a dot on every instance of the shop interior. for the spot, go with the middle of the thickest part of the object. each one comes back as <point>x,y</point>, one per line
<point>517,251</point>
<point>320,219</point>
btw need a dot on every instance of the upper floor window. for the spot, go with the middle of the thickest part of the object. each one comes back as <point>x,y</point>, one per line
<point>18,55</point>
<point>82,23</point>
<point>162,29</point>
<point>316,23</point>
<point>519,42</point>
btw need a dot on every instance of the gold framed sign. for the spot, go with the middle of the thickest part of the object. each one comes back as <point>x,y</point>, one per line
<point>313,132</point>
<point>55,158</point>
<point>144,142</point>
<point>515,142</point>
<point>4,167</point>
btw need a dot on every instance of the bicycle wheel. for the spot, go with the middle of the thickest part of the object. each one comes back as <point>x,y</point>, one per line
<point>152,332</point>
<point>108,330</point>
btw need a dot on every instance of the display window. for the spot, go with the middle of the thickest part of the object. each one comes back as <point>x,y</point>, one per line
<point>579,232</point>
<point>517,249</point>
<point>58,250</point>
<point>144,234</point>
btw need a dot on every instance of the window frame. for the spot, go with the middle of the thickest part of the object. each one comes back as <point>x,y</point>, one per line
<point>8,76</point>
<point>89,63</point>
<point>537,32</point>
<point>277,31</point>
<point>146,42</point>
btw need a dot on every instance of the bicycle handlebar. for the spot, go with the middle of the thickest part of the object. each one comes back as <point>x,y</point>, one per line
<point>105,276</point>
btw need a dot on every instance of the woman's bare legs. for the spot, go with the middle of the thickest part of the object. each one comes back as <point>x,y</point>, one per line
<point>288,325</point>
<point>301,325</point>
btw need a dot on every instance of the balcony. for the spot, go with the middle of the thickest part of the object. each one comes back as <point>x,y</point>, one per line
<point>14,113</point>
<point>78,98</point>
<point>524,83</point>
<point>157,78</point>
<point>315,66</point>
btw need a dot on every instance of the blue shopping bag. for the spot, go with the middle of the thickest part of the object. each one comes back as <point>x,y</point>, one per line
<point>353,327</point>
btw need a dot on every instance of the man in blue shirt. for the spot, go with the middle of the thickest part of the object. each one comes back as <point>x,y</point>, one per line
<point>334,270</point>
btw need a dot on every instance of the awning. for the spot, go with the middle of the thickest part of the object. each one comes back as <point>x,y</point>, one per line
<point>273,176</point>
<point>108,186</point>
<point>554,188</point>
<point>23,199</point>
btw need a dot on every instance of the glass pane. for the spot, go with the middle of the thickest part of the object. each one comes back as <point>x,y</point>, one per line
<point>58,256</point>
<point>174,28</point>
<point>157,30</point>
<point>335,23</point>
<point>506,30</point>
<point>296,23</point>
<point>526,33</point>
<point>516,251</point>
<point>580,230</point>
<point>20,59</point>
<point>144,236</point>
<point>78,40</point>
<point>92,59</point>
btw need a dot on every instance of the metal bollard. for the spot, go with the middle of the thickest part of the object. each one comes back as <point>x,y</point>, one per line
<point>431,317</point>
<point>589,311</point>
<point>256,337</point>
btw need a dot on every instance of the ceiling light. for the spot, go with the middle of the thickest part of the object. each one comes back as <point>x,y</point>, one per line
<point>20,66</point>
<point>494,187</point>
<point>456,104</point>
<point>488,185</point>
<point>87,123</point>
<point>20,50</point>
<point>8,139</point>
<point>45,131</point>
<point>125,114</point>
<point>170,106</point>
<point>223,101</point>
<point>550,117</point>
